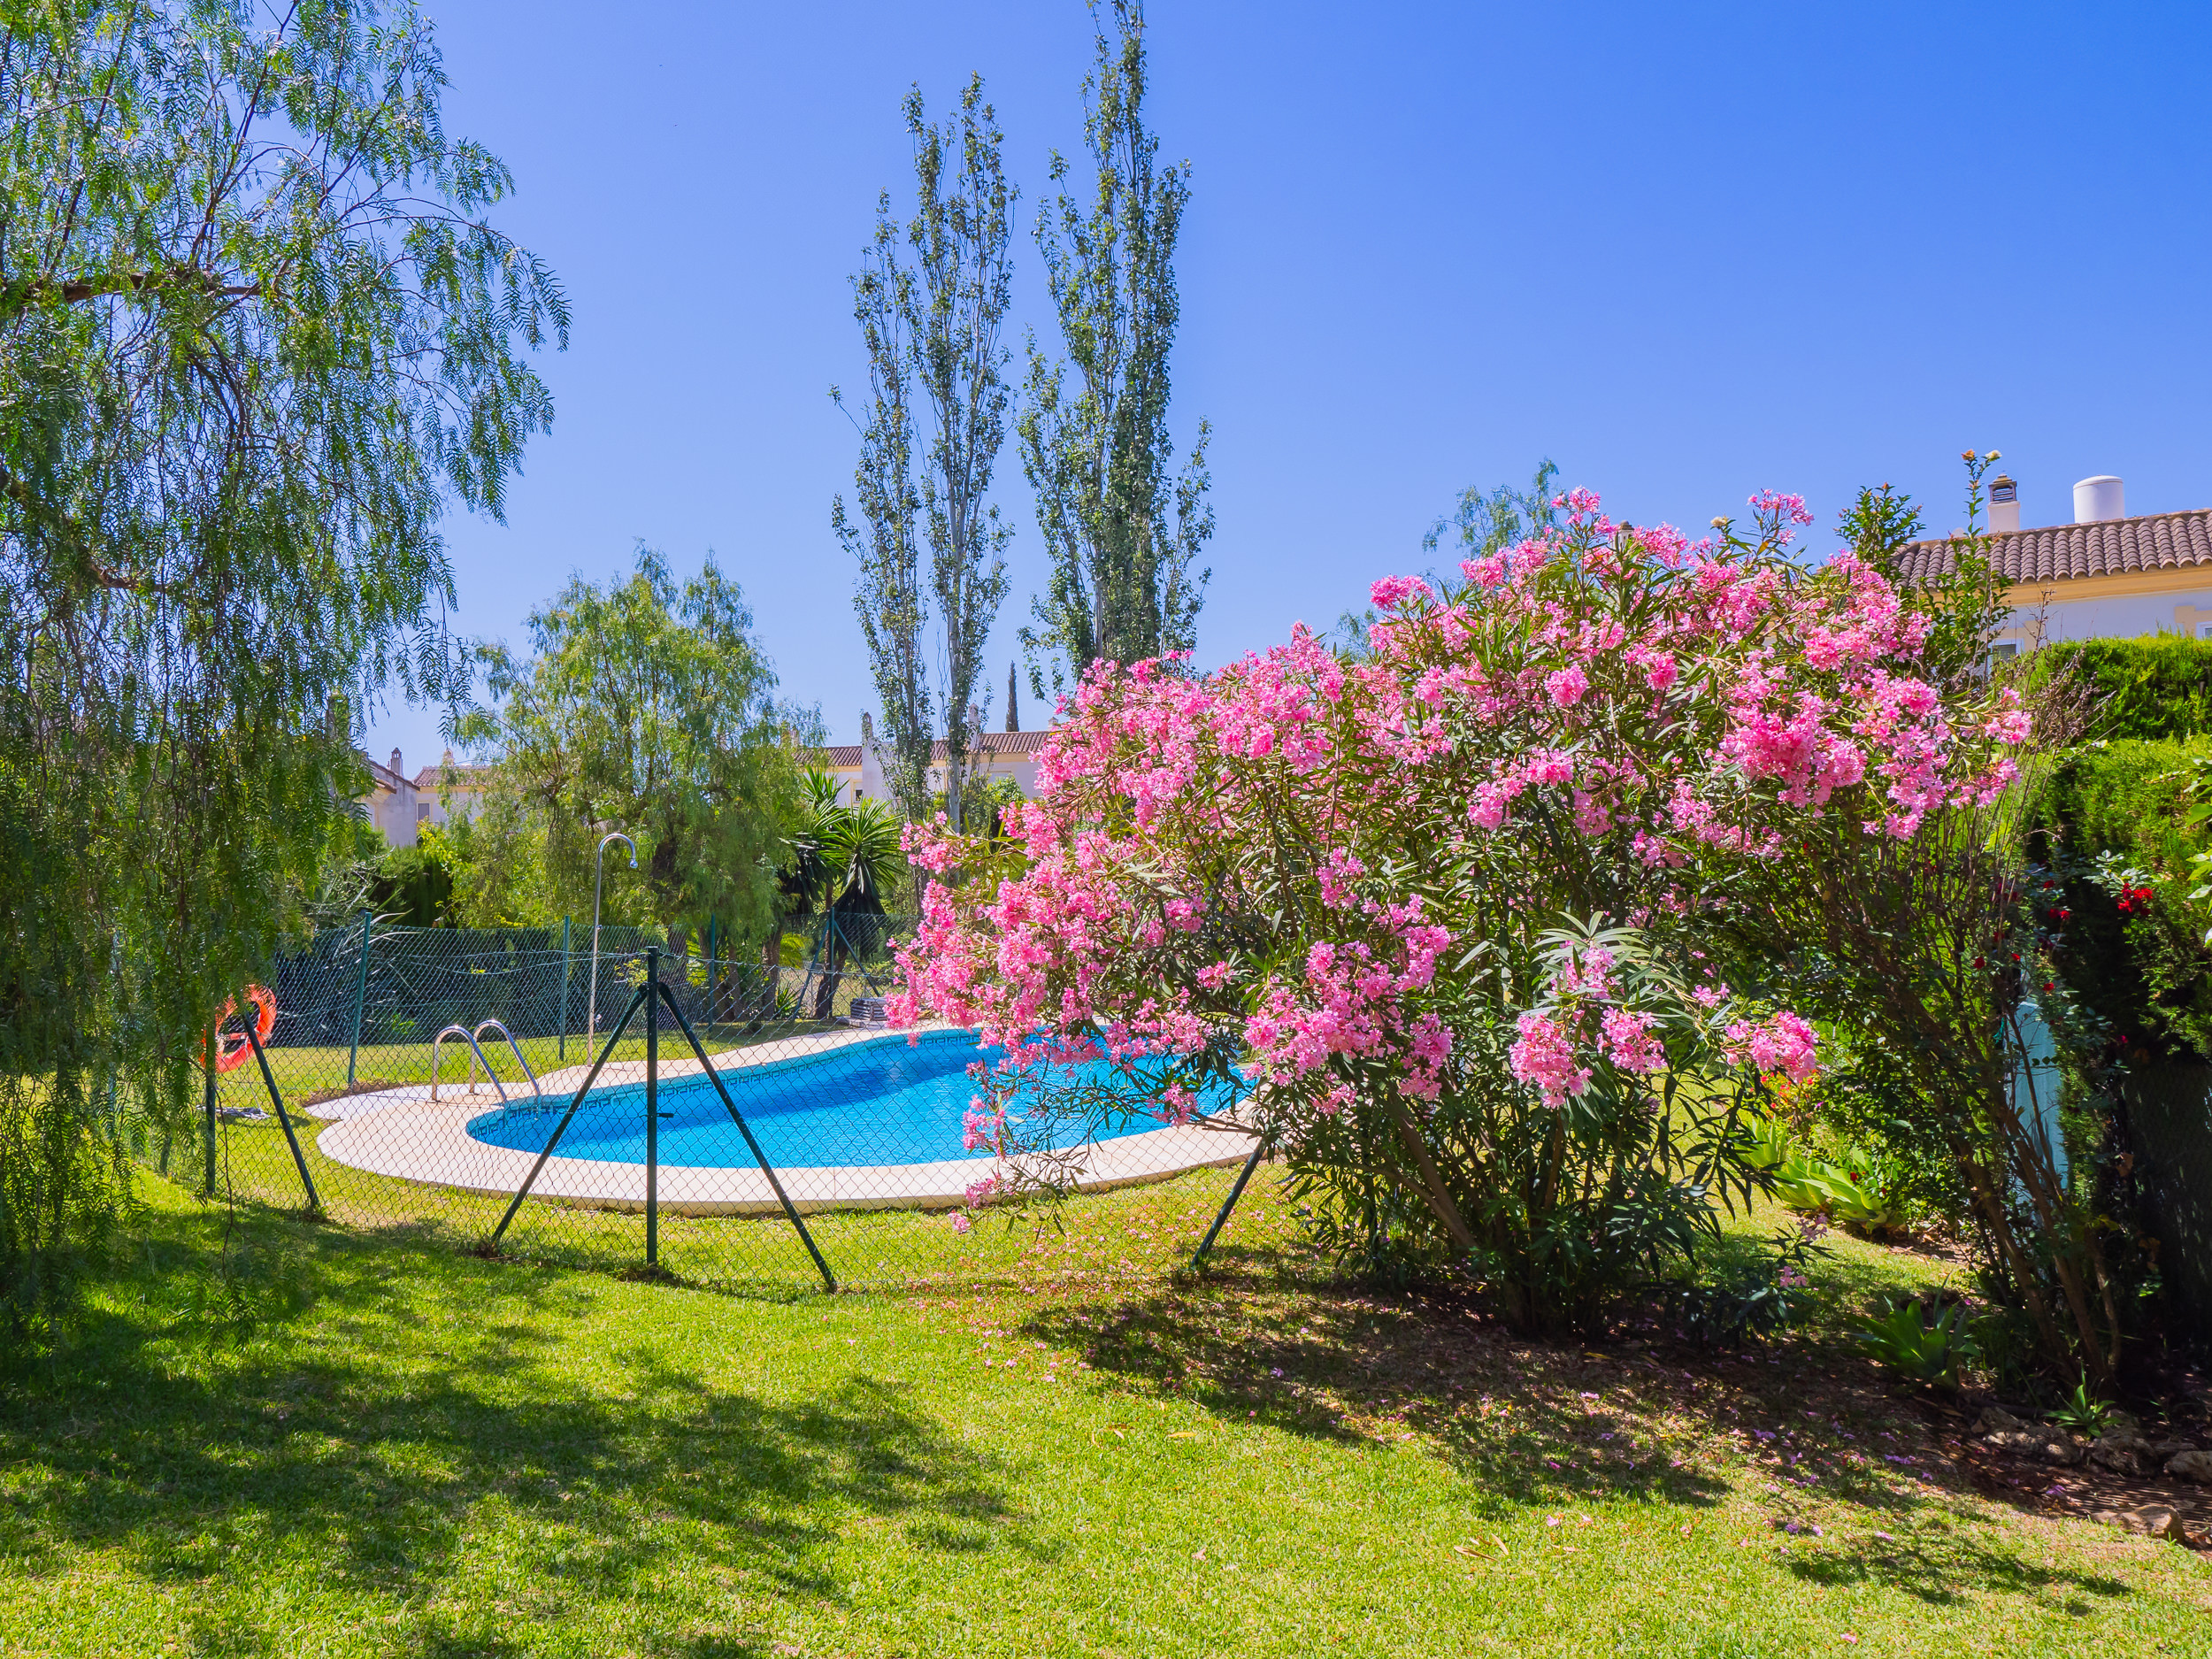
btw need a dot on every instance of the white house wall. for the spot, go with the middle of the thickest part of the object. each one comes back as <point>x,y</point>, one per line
<point>2122,617</point>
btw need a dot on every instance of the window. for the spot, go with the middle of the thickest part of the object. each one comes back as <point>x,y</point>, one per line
<point>2205,633</point>
<point>422,813</point>
<point>2004,650</point>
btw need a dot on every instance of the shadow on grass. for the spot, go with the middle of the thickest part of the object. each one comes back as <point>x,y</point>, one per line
<point>436,1410</point>
<point>1949,1570</point>
<point>1351,1368</point>
<point>1807,1428</point>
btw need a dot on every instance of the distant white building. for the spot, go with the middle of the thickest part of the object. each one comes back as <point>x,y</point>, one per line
<point>858,767</point>
<point>2104,576</point>
<point>400,805</point>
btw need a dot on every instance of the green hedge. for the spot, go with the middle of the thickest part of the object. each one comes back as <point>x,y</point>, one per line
<point>2158,687</point>
<point>2146,970</point>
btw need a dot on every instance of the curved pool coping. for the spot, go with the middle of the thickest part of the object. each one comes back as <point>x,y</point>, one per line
<point>402,1134</point>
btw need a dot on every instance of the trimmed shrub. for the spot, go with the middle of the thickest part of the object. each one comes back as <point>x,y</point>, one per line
<point>2159,686</point>
<point>2133,932</point>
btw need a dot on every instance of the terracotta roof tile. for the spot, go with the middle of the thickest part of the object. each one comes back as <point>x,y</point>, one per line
<point>2065,552</point>
<point>464,777</point>
<point>999,745</point>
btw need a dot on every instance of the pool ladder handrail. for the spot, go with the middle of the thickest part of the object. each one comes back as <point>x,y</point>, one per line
<point>475,1038</point>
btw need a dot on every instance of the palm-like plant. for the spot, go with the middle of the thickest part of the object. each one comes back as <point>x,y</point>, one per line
<point>845,859</point>
<point>862,847</point>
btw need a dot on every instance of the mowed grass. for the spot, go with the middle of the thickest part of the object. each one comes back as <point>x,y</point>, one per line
<point>403,1450</point>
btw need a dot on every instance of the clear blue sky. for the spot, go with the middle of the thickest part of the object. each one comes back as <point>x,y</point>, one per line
<point>1689,251</point>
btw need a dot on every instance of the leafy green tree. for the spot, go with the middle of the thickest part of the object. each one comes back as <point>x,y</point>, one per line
<point>1123,531</point>
<point>255,332</point>
<point>932,321</point>
<point>1481,524</point>
<point>648,708</point>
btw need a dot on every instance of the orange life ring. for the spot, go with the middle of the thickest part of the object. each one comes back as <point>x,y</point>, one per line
<point>231,1048</point>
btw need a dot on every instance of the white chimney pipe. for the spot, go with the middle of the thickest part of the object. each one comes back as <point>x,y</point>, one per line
<point>2100,498</point>
<point>2004,505</point>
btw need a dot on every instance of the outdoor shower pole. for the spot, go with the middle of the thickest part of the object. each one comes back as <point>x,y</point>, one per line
<point>598,879</point>
<point>360,994</point>
<point>564,1020</point>
<point>652,1106</point>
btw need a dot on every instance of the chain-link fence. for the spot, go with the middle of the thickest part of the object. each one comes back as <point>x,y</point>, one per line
<point>754,1126</point>
<point>2170,1133</point>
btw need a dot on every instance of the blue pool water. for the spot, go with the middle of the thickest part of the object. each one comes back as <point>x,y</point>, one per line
<point>872,1103</point>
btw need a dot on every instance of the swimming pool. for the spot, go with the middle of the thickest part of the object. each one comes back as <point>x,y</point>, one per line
<point>880,1102</point>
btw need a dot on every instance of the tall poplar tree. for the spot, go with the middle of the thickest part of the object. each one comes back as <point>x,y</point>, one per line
<point>888,593</point>
<point>1122,528</point>
<point>932,319</point>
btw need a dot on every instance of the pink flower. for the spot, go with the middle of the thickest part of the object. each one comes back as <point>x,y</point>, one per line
<point>960,1222</point>
<point>1392,591</point>
<point>1491,801</point>
<point>1567,685</point>
<point>1545,1055</point>
<point>1628,1041</point>
<point>1784,1043</point>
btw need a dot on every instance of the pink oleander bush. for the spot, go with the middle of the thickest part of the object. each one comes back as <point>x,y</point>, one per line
<point>1440,903</point>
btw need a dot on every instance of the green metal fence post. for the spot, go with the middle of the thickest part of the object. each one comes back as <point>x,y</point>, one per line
<point>775,1186</point>
<point>652,1106</point>
<point>561,1128</point>
<point>564,1049</point>
<point>211,1115</point>
<point>360,995</point>
<point>1206,1245</point>
<point>276,1101</point>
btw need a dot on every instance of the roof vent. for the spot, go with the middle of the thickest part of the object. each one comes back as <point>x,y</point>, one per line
<point>2004,505</point>
<point>2097,499</point>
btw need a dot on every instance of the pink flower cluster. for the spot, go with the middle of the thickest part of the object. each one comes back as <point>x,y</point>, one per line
<point>1581,1026</point>
<point>1351,1000</point>
<point>1783,1043</point>
<point>1322,859</point>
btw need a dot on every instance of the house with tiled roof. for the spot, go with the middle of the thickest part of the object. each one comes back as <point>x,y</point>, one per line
<point>858,767</point>
<point>400,805</point>
<point>2104,576</point>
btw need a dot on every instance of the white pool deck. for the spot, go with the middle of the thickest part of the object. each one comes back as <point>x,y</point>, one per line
<point>402,1134</point>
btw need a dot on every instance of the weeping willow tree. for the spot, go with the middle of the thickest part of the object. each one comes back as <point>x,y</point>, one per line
<point>255,333</point>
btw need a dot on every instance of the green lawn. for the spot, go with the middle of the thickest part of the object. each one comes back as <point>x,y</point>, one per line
<point>401,1449</point>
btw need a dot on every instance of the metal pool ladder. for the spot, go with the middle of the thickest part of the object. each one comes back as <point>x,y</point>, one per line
<point>475,1038</point>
